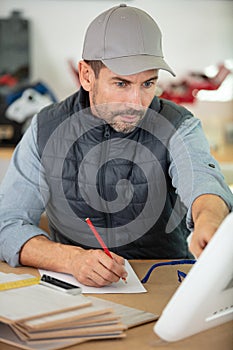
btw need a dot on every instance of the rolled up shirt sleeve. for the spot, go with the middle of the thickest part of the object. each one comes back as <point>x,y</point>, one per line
<point>193,170</point>
<point>21,201</point>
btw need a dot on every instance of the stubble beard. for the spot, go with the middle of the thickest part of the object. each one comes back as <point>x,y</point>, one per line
<point>109,115</point>
<point>123,126</point>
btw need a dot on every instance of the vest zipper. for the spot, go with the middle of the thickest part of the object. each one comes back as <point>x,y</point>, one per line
<point>104,158</point>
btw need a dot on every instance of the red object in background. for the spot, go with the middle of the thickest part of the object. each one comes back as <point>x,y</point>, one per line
<point>74,72</point>
<point>8,80</point>
<point>186,90</point>
<point>178,93</point>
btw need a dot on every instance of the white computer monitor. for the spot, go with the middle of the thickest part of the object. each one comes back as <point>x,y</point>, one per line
<point>205,297</point>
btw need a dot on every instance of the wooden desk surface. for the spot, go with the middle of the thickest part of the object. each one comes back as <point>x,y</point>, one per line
<point>161,286</point>
<point>6,152</point>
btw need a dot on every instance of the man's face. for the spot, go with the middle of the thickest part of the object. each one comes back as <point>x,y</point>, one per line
<point>122,101</point>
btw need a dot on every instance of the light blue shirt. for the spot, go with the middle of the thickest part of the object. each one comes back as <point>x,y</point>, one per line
<point>21,203</point>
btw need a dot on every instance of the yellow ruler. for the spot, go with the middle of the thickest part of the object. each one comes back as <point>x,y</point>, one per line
<point>19,283</point>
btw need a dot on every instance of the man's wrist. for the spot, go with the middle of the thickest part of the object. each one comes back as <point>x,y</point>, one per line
<point>209,205</point>
<point>70,255</point>
<point>40,252</point>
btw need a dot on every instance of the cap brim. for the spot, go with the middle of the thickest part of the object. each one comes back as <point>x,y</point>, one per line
<point>135,64</point>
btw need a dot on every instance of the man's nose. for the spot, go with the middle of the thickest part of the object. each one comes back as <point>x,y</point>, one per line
<point>135,96</point>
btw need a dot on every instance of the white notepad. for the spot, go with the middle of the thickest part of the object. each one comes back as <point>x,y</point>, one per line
<point>133,284</point>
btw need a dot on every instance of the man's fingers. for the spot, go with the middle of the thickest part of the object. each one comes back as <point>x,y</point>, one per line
<point>105,274</point>
<point>98,269</point>
<point>116,265</point>
<point>195,249</point>
<point>197,245</point>
<point>200,237</point>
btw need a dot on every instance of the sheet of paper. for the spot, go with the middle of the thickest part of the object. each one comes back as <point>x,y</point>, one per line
<point>133,284</point>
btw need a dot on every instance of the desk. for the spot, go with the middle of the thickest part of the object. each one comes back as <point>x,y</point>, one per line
<point>161,286</point>
<point>6,152</point>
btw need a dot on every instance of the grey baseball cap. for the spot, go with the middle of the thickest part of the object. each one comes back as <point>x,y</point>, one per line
<point>126,39</point>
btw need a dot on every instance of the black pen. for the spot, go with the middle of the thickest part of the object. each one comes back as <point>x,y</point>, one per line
<point>59,285</point>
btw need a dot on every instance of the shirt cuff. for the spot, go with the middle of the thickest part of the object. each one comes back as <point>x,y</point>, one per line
<point>18,237</point>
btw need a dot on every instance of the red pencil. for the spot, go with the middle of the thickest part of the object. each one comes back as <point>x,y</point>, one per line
<point>99,239</point>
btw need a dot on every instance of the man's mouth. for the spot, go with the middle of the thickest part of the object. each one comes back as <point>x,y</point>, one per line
<point>129,118</point>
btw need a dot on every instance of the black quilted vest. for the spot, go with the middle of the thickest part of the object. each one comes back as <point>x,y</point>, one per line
<point>120,181</point>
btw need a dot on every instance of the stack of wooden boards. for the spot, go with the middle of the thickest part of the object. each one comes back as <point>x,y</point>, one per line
<point>38,317</point>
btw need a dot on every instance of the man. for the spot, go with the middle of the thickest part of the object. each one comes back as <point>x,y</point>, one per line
<point>137,166</point>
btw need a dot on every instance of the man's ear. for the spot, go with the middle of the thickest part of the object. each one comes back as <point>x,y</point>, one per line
<point>86,75</point>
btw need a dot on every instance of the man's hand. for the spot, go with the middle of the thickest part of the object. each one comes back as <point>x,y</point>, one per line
<point>95,268</point>
<point>208,212</point>
<point>90,267</point>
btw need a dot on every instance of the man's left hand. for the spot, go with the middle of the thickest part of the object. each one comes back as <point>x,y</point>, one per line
<point>208,212</point>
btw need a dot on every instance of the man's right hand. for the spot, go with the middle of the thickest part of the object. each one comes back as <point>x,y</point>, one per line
<point>95,268</point>
<point>90,267</point>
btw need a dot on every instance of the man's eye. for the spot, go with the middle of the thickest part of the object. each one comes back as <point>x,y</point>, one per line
<point>148,84</point>
<point>121,84</point>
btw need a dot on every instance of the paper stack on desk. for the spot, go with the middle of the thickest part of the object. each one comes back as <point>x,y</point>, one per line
<point>38,317</point>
